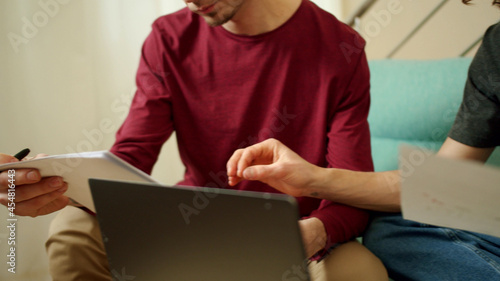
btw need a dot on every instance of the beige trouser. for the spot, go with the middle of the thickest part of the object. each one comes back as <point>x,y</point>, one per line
<point>75,247</point>
<point>76,252</point>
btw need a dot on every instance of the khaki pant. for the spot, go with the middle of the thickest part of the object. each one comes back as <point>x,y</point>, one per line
<point>76,252</point>
<point>75,247</point>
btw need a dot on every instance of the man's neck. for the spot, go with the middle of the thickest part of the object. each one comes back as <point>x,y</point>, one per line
<point>260,16</point>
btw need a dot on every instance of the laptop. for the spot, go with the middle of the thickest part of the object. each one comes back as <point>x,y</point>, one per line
<point>154,232</point>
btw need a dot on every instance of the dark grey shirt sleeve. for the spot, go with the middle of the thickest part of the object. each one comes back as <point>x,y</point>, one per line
<point>478,120</point>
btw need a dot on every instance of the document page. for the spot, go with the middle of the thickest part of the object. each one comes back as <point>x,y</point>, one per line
<point>450,193</point>
<point>77,168</point>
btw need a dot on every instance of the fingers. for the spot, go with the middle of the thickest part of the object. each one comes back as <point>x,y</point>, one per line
<point>22,176</point>
<point>240,160</point>
<point>45,186</point>
<point>257,154</point>
<point>232,166</point>
<point>249,156</point>
<point>259,172</point>
<point>28,192</point>
<point>243,158</point>
<point>42,205</point>
<point>40,198</point>
<point>37,199</point>
<point>33,195</point>
<point>232,163</point>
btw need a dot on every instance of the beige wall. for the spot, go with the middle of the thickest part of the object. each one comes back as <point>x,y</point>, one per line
<point>74,68</point>
<point>407,29</point>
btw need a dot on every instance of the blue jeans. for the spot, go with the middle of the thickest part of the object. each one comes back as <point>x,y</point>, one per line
<point>415,251</point>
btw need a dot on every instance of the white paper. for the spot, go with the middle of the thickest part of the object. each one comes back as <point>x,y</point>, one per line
<point>77,168</point>
<point>450,193</point>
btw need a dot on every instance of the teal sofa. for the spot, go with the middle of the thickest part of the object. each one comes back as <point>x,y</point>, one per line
<point>414,102</point>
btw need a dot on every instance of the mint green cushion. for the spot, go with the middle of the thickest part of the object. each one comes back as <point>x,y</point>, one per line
<point>414,102</point>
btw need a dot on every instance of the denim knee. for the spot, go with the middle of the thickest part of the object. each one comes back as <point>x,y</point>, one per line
<point>415,251</point>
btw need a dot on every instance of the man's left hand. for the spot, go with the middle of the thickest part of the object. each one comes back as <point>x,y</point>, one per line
<point>313,235</point>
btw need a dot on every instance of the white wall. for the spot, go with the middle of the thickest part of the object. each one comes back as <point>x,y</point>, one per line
<point>56,86</point>
<point>332,6</point>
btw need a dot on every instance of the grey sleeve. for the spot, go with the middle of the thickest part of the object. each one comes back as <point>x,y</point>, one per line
<point>478,120</point>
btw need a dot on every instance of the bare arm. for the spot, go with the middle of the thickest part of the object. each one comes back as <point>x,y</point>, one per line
<point>454,149</point>
<point>275,164</point>
<point>380,191</point>
<point>377,191</point>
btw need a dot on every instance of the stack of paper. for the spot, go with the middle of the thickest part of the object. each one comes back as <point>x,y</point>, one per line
<point>450,193</point>
<point>77,168</point>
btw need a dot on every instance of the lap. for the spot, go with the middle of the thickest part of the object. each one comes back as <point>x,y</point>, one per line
<point>75,247</point>
<point>76,252</point>
<point>349,261</point>
<point>414,251</point>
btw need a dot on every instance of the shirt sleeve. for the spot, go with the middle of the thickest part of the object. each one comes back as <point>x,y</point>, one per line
<point>348,148</point>
<point>149,122</point>
<point>477,122</point>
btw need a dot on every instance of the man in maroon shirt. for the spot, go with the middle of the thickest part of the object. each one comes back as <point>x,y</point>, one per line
<point>224,75</point>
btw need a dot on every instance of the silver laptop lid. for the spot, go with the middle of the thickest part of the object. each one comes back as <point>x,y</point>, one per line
<point>154,232</point>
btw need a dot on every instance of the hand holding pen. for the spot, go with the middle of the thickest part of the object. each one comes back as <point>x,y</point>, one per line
<point>33,195</point>
<point>21,154</point>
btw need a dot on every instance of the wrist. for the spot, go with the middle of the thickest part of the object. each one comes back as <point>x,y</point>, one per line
<point>313,235</point>
<point>320,232</point>
<point>322,181</point>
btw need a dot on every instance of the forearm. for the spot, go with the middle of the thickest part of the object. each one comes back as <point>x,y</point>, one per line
<point>378,191</point>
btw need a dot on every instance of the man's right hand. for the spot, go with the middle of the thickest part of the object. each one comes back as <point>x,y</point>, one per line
<point>275,164</point>
<point>34,195</point>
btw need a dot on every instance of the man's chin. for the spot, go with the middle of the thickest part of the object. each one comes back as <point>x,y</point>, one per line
<point>216,23</point>
<point>216,20</point>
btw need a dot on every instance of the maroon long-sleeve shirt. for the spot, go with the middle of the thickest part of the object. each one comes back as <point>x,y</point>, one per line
<point>305,83</point>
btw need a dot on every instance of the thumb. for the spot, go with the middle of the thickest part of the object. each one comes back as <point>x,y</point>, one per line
<point>258,172</point>
<point>4,158</point>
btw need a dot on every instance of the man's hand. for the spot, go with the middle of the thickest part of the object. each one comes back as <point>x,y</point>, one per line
<point>34,195</point>
<point>273,163</point>
<point>313,235</point>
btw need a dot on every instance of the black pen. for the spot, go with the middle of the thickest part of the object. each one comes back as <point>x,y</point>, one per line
<point>23,153</point>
